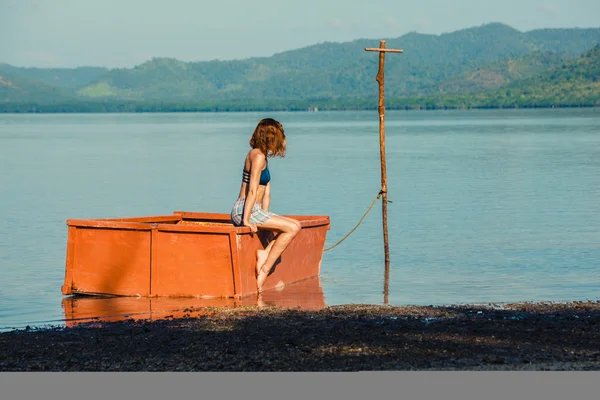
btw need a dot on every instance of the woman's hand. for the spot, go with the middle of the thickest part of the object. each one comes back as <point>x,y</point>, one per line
<point>253,227</point>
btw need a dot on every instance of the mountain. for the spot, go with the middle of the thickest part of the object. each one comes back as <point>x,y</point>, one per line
<point>17,89</point>
<point>471,61</point>
<point>342,70</point>
<point>574,83</point>
<point>69,78</point>
<point>501,73</point>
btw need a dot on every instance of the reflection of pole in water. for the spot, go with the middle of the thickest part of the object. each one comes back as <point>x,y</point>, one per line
<point>380,79</point>
<point>386,283</point>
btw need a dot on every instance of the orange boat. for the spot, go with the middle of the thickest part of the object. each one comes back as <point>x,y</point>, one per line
<point>187,254</point>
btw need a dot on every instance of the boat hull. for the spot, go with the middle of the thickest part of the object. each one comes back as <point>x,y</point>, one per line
<point>187,254</point>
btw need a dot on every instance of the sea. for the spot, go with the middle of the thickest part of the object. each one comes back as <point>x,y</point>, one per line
<point>487,206</point>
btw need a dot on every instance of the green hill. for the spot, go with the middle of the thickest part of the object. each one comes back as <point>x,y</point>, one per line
<point>502,72</point>
<point>469,67</point>
<point>341,70</point>
<point>69,78</point>
<point>574,83</point>
<point>16,89</point>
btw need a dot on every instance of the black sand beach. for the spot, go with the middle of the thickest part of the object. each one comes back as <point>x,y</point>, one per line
<point>524,336</point>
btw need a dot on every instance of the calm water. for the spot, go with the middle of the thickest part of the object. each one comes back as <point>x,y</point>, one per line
<point>488,206</point>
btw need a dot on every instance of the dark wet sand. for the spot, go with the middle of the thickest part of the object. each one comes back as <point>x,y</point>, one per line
<point>531,336</point>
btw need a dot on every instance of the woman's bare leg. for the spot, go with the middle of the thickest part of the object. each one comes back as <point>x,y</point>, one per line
<point>261,256</point>
<point>288,229</point>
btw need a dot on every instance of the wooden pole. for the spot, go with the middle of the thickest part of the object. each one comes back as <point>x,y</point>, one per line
<point>380,79</point>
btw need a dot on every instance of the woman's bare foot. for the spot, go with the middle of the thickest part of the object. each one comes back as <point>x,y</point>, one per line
<point>261,257</point>
<point>259,301</point>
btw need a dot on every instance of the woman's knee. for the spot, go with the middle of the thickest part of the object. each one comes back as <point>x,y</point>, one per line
<point>283,224</point>
<point>295,226</point>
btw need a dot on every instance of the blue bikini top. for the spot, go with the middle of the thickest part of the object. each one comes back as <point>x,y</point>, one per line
<point>265,176</point>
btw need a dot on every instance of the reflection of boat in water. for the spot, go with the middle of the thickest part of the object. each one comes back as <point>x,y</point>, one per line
<point>306,295</point>
<point>182,255</point>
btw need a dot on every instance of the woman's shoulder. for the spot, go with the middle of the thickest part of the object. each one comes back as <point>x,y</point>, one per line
<point>256,155</point>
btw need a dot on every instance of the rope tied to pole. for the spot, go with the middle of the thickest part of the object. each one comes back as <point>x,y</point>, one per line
<point>381,192</point>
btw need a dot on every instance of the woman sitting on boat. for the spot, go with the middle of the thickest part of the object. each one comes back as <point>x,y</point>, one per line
<point>252,206</point>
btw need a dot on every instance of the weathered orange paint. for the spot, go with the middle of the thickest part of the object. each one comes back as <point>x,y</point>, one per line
<point>187,254</point>
<point>304,295</point>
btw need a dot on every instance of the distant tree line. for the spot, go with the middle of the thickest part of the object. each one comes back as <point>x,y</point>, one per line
<point>420,103</point>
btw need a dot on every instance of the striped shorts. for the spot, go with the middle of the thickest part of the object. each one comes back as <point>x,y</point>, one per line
<point>258,216</point>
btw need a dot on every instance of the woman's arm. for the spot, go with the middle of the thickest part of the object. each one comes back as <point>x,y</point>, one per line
<point>267,197</point>
<point>257,163</point>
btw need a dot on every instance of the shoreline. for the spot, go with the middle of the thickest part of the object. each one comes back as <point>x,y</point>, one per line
<point>501,336</point>
<point>50,110</point>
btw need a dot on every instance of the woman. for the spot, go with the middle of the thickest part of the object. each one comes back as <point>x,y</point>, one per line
<point>252,206</point>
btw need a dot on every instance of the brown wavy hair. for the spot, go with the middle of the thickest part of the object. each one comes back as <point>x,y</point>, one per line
<point>269,137</point>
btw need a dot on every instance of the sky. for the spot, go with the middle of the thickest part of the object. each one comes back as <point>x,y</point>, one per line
<point>125,33</point>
